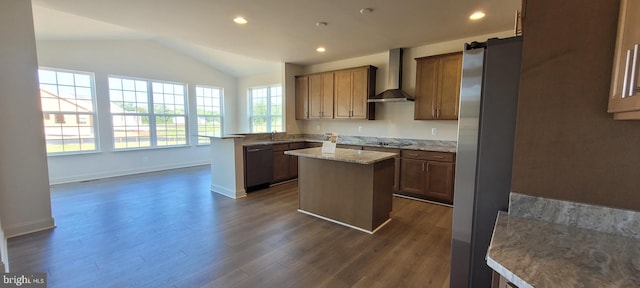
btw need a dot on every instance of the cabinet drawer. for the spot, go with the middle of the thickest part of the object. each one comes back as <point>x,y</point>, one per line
<point>280,147</point>
<point>296,145</point>
<point>427,155</point>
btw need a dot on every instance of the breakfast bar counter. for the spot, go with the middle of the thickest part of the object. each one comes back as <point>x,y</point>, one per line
<point>348,187</point>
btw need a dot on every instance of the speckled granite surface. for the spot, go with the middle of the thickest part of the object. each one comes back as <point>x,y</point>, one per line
<point>344,155</point>
<point>603,219</point>
<point>535,253</point>
<point>410,144</point>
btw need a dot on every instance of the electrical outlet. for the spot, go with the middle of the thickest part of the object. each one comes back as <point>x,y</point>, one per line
<point>359,129</point>
<point>434,131</point>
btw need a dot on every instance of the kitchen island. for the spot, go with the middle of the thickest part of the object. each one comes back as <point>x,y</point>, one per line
<point>348,187</point>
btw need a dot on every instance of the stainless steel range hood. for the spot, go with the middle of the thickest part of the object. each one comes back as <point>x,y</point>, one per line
<point>394,92</point>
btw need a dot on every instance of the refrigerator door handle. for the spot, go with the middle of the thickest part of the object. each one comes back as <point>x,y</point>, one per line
<point>632,85</point>
<point>626,75</point>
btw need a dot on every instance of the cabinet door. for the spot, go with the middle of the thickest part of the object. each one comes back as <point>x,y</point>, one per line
<point>624,96</point>
<point>302,97</point>
<point>427,77</point>
<point>359,93</point>
<point>412,176</point>
<point>293,166</point>
<point>440,181</point>
<point>327,95</point>
<point>342,90</point>
<point>315,96</point>
<point>449,87</point>
<point>280,166</point>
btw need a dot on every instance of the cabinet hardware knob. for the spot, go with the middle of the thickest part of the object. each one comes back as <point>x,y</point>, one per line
<point>437,112</point>
<point>423,166</point>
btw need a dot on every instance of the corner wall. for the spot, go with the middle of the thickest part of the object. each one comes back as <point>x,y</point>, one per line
<point>25,204</point>
<point>393,120</point>
<point>567,146</point>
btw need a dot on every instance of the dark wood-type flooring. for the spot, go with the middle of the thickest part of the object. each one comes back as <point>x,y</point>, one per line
<point>168,230</point>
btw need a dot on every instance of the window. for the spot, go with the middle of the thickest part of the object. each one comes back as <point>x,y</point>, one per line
<point>265,109</point>
<point>147,113</point>
<point>209,108</point>
<point>68,97</point>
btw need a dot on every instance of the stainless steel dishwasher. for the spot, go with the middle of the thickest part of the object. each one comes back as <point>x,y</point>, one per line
<point>258,166</point>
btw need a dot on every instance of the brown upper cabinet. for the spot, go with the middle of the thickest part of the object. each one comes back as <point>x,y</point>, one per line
<point>321,95</point>
<point>302,97</point>
<point>624,98</point>
<point>352,89</point>
<point>438,87</point>
<point>340,94</point>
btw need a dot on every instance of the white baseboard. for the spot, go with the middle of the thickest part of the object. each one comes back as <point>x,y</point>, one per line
<point>125,172</point>
<point>228,192</point>
<point>28,227</point>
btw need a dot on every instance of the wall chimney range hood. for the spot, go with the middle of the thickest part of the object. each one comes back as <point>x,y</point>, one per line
<point>394,92</point>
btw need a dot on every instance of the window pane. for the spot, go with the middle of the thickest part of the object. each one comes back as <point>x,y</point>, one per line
<point>209,108</point>
<point>266,108</point>
<point>68,107</point>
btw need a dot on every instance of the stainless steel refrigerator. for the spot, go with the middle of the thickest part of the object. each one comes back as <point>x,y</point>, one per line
<point>486,128</point>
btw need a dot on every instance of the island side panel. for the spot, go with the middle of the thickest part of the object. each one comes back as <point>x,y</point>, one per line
<point>346,192</point>
<point>384,172</point>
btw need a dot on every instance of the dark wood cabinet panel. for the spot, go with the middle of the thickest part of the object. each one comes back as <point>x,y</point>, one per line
<point>302,97</point>
<point>426,174</point>
<point>321,95</point>
<point>412,179</point>
<point>352,89</point>
<point>440,181</point>
<point>438,87</point>
<point>280,166</point>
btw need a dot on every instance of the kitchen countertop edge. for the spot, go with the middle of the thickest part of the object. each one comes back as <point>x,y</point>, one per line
<point>344,155</point>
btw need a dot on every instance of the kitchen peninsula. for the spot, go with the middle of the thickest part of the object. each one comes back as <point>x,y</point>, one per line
<point>348,187</point>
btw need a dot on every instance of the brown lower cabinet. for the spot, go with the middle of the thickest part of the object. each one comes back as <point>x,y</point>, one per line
<point>285,167</point>
<point>427,174</point>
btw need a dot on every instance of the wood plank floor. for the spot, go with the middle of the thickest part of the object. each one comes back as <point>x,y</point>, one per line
<point>168,230</point>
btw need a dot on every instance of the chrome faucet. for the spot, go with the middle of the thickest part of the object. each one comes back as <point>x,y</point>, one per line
<point>273,135</point>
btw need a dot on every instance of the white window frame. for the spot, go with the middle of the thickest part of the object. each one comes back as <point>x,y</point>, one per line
<point>59,114</point>
<point>201,106</point>
<point>151,113</point>
<point>269,116</point>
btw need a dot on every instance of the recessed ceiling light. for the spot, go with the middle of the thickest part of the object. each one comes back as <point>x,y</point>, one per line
<point>321,49</point>
<point>240,20</point>
<point>477,15</point>
<point>321,24</point>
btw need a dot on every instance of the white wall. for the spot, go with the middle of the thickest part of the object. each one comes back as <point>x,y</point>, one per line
<point>25,204</point>
<point>4,260</point>
<point>393,120</point>
<point>244,83</point>
<point>134,58</point>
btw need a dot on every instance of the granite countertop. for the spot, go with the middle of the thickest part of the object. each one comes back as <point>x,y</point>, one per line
<point>534,253</point>
<point>344,155</point>
<point>421,147</point>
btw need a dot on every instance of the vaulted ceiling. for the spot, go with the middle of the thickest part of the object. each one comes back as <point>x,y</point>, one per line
<point>277,30</point>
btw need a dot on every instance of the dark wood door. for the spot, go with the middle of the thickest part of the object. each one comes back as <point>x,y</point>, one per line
<point>412,175</point>
<point>449,87</point>
<point>439,181</point>
<point>280,166</point>
<point>293,167</point>
<point>426,88</point>
<point>302,97</point>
